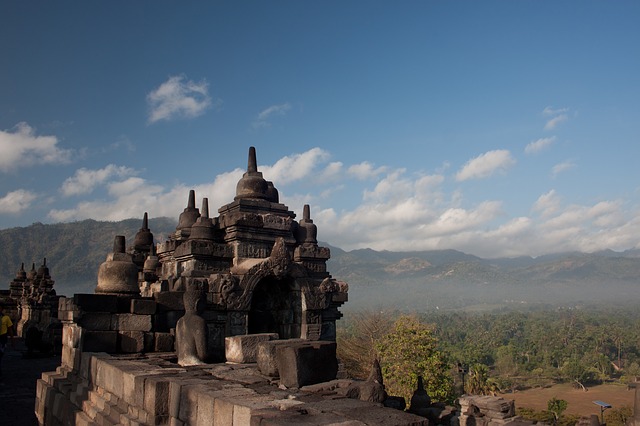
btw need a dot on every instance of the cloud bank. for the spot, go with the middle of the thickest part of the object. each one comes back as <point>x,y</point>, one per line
<point>16,202</point>
<point>395,211</point>
<point>21,147</point>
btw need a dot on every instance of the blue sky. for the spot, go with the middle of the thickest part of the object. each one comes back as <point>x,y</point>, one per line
<point>499,128</point>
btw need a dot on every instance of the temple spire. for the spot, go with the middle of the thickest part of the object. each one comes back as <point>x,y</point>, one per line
<point>205,208</point>
<point>192,199</point>
<point>119,244</point>
<point>189,215</point>
<point>252,166</point>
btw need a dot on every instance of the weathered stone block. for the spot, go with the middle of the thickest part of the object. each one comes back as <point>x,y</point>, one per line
<point>266,356</point>
<point>131,341</point>
<point>188,409</point>
<point>96,302</point>
<point>178,390</point>
<point>149,342</point>
<point>71,335</point>
<point>244,348</point>
<point>206,414</point>
<point>124,304</point>
<point>163,342</point>
<point>70,357</point>
<point>156,396</point>
<point>143,306</point>
<point>223,408</point>
<point>131,322</point>
<point>109,377</point>
<point>307,363</point>
<point>134,385</point>
<point>169,301</point>
<point>88,362</point>
<point>96,321</point>
<point>99,341</point>
<point>244,407</point>
<point>165,321</point>
<point>41,391</point>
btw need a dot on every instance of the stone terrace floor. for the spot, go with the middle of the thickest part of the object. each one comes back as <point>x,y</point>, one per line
<point>18,384</point>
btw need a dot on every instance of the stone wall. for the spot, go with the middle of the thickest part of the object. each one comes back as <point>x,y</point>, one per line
<point>153,390</point>
<point>116,324</point>
<point>481,410</point>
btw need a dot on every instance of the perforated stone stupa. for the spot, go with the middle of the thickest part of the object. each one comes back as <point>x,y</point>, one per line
<point>263,271</point>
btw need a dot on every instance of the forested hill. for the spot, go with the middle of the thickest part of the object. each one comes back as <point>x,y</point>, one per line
<point>422,280</point>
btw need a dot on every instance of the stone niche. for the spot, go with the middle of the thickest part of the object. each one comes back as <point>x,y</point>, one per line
<point>262,271</point>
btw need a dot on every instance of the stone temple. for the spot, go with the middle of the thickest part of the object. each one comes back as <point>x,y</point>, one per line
<point>260,269</point>
<point>232,321</point>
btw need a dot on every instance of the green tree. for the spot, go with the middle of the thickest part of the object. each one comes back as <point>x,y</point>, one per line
<point>357,341</point>
<point>618,416</point>
<point>556,407</point>
<point>410,350</point>
<point>577,372</point>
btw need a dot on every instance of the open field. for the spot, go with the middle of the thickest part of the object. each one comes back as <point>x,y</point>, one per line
<point>579,402</point>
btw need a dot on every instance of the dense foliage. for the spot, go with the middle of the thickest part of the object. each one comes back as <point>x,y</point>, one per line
<point>496,352</point>
<point>409,350</point>
<point>521,348</point>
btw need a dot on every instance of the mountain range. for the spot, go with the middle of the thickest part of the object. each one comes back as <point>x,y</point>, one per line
<point>417,280</point>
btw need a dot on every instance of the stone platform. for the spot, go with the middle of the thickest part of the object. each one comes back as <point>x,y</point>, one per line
<point>154,390</point>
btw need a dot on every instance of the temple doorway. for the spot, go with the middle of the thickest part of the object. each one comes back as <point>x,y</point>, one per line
<point>276,307</point>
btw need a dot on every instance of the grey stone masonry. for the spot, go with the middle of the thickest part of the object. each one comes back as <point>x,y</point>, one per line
<point>488,411</point>
<point>306,363</point>
<point>244,348</point>
<point>126,390</point>
<point>266,357</point>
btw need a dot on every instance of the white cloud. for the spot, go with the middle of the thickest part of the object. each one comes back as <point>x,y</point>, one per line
<point>16,201</point>
<point>394,186</point>
<point>84,180</point>
<point>274,110</point>
<point>295,167</point>
<point>179,98</point>
<point>21,147</point>
<point>562,167</point>
<point>558,116</point>
<point>554,111</point>
<point>397,211</point>
<point>332,171</point>
<point>428,187</point>
<point>365,171</point>
<point>538,145</point>
<point>455,220</point>
<point>486,165</point>
<point>555,121</point>
<point>547,203</point>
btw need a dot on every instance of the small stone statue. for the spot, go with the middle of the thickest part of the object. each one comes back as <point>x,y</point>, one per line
<point>420,401</point>
<point>372,389</point>
<point>191,330</point>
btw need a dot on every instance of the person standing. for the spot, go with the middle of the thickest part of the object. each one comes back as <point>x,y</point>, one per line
<point>6,331</point>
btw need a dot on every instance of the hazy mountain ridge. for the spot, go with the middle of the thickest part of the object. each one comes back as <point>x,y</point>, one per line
<point>411,280</point>
<point>452,279</point>
<point>73,250</point>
